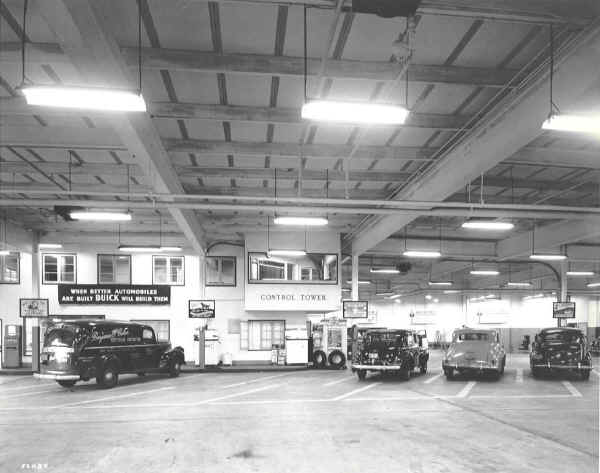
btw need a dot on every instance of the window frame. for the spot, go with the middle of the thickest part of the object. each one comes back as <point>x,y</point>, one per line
<point>148,323</point>
<point>220,271</point>
<point>169,258</point>
<point>58,281</point>
<point>247,331</point>
<point>285,282</point>
<point>3,265</point>
<point>99,255</point>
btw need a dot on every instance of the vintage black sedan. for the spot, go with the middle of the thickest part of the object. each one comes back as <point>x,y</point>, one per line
<point>84,349</point>
<point>390,351</point>
<point>560,349</point>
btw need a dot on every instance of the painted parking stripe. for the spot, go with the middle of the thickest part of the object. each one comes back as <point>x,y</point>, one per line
<point>355,391</point>
<point>596,372</point>
<point>255,380</point>
<point>572,389</point>
<point>229,396</point>
<point>520,396</point>
<point>519,377</point>
<point>27,388</point>
<point>16,396</point>
<point>467,389</point>
<point>338,381</point>
<point>433,378</point>
<point>120,396</point>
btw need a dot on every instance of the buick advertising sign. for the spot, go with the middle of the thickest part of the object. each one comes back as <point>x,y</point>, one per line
<point>113,294</point>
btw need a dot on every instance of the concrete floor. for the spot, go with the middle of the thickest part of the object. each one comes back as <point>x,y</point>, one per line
<point>308,421</point>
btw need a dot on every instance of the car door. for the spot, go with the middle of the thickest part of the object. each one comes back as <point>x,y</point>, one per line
<point>152,350</point>
<point>135,348</point>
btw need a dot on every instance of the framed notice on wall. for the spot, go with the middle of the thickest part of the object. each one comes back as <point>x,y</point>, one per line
<point>563,310</point>
<point>201,309</point>
<point>355,309</point>
<point>33,307</point>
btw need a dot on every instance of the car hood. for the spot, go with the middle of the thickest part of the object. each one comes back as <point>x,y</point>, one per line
<point>476,350</point>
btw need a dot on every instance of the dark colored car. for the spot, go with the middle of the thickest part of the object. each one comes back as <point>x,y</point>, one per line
<point>560,349</point>
<point>77,350</point>
<point>395,351</point>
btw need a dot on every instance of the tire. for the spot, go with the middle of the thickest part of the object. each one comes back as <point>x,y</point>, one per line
<point>423,367</point>
<point>174,368</point>
<point>319,359</point>
<point>141,374</point>
<point>108,377</point>
<point>502,366</point>
<point>449,372</point>
<point>337,359</point>
<point>536,373</point>
<point>67,384</point>
<point>405,374</point>
<point>362,374</point>
<point>585,374</point>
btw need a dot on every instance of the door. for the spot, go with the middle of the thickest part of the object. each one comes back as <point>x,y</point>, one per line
<point>152,350</point>
<point>135,348</point>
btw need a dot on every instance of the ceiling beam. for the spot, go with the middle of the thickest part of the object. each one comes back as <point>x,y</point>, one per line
<point>511,126</point>
<point>84,33</point>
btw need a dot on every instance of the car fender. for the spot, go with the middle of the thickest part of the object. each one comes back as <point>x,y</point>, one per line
<point>105,360</point>
<point>176,353</point>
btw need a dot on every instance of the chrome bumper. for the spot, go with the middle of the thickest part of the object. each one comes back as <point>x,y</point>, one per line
<point>551,366</point>
<point>57,377</point>
<point>476,366</point>
<point>377,367</point>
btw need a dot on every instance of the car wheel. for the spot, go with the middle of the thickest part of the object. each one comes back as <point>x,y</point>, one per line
<point>423,367</point>
<point>535,372</point>
<point>362,374</point>
<point>449,373</point>
<point>337,359</point>
<point>108,377</point>
<point>67,384</point>
<point>502,365</point>
<point>141,374</point>
<point>405,374</point>
<point>319,359</point>
<point>174,368</point>
<point>585,374</point>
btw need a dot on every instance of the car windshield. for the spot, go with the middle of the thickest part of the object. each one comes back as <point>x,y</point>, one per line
<point>473,336</point>
<point>397,339</point>
<point>59,337</point>
<point>560,336</point>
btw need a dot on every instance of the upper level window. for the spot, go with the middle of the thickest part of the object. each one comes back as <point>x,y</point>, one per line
<point>59,269</point>
<point>9,268</point>
<point>220,271</point>
<point>313,268</point>
<point>114,269</point>
<point>168,270</point>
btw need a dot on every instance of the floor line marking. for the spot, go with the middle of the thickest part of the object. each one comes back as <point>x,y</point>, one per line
<point>433,378</point>
<point>25,388</point>
<point>355,391</point>
<point>254,380</point>
<point>467,389</point>
<point>16,396</point>
<point>118,396</point>
<point>519,378</point>
<point>596,372</point>
<point>229,396</point>
<point>519,396</point>
<point>338,381</point>
<point>572,389</point>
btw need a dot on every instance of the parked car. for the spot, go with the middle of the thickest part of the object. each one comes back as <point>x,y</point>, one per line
<point>560,349</point>
<point>475,352</point>
<point>390,351</point>
<point>77,350</point>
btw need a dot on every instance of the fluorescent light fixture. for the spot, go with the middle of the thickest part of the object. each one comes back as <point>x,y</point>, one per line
<point>4,252</point>
<point>395,296</point>
<point>422,254</point>
<point>451,291</point>
<point>384,293</point>
<point>359,282</point>
<point>139,248</point>
<point>535,296</point>
<point>593,284</point>
<point>170,248</point>
<point>49,245</point>
<point>100,216</point>
<point>85,98</point>
<point>354,112</point>
<point>484,272</point>
<point>518,284</point>
<point>491,296</point>
<point>440,283</point>
<point>575,123</point>
<point>580,273</point>
<point>346,289</point>
<point>428,297</point>
<point>487,225</point>
<point>547,257</point>
<point>301,221</point>
<point>286,253</point>
<point>436,301</point>
<point>385,270</point>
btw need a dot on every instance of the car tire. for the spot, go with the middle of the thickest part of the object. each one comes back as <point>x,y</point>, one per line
<point>362,374</point>
<point>174,368</point>
<point>337,359</point>
<point>108,377</point>
<point>141,374</point>
<point>585,374</point>
<point>449,372</point>
<point>319,359</point>
<point>423,367</point>
<point>405,374</point>
<point>66,384</point>
<point>536,373</point>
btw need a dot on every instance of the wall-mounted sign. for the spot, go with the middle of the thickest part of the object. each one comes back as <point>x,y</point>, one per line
<point>355,309</point>
<point>201,309</point>
<point>296,297</point>
<point>33,307</point>
<point>113,294</point>
<point>563,310</point>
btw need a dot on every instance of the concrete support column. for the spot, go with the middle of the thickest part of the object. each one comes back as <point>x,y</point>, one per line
<point>354,277</point>
<point>562,296</point>
<point>35,265</point>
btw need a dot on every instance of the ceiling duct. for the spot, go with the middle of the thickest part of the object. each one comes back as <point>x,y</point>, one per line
<point>386,8</point>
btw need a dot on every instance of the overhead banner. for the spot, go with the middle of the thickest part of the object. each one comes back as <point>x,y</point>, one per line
<point>355,309</point>
<point>113,294</point>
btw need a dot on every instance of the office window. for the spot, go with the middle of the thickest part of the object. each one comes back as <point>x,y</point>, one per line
<point>162,328</point>
<point>59,269</point>
<point>312,268</point>
<point>9,268</point>
<point>168,270</point>
<point>261,334</point>
<point>220,271</point>
<point>114,269</point>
